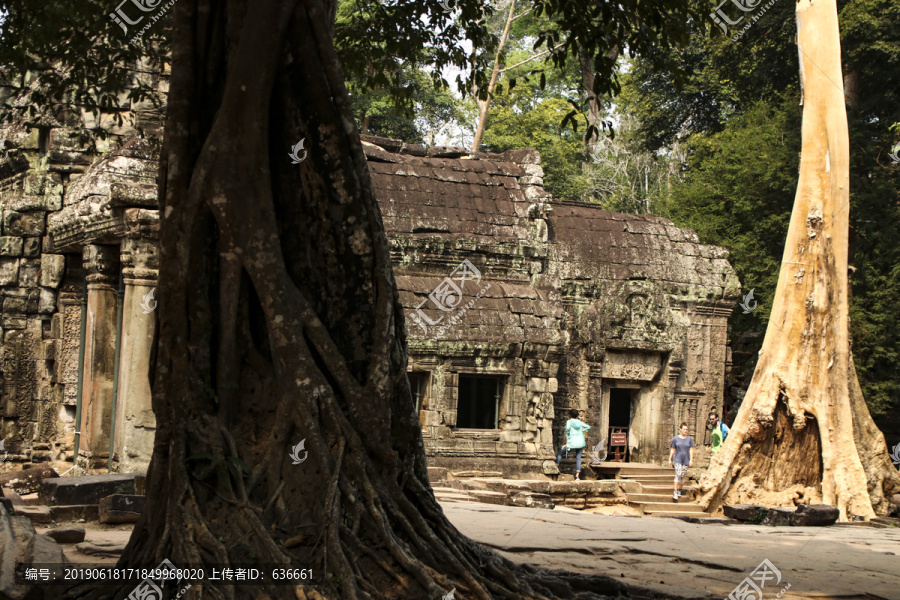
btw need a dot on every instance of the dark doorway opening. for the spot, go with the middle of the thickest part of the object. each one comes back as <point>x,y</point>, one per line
<point>620,414</point>
<point>479,401</point>
<point>620,407</point>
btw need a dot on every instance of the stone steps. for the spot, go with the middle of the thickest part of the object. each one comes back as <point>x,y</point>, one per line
<point>646,472</point>
<point>655,497</point>
<point>663,498</point>
<point>451,494</point>
<point>654,507</point>
<point>656,488</point>
<point>437,475</point>
<point>679,513</point>
<point>651,478</point>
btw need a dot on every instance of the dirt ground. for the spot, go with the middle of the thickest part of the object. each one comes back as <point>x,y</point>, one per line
<point>668,558</point>
<point>662,558</point>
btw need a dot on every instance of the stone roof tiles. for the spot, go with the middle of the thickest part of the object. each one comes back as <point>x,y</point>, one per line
<point>493,210</point>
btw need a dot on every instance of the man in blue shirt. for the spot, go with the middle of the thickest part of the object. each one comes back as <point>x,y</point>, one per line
<point>681,457</point>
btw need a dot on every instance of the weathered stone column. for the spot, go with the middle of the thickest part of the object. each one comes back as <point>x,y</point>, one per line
<point>598,404</point>
<point>101,264</point>
<point>135,422</point>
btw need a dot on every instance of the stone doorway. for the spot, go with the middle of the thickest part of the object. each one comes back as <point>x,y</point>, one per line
<point>620,415</point>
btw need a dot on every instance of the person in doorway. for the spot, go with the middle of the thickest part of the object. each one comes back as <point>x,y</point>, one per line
<point>682,457</point>
<point>719,431</point>
<point>574,440</point>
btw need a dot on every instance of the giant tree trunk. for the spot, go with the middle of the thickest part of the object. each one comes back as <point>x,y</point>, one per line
<point>280,322</point>
<point>803,433</point>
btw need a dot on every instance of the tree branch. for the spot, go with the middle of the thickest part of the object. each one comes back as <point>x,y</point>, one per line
<point>535,57</point>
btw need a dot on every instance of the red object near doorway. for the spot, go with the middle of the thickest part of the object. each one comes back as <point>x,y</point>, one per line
<point>618,443</point>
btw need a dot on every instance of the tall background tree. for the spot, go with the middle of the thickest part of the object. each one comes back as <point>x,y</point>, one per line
<point>804,433</point>
<point>279,318</point>
<point>735,115</point>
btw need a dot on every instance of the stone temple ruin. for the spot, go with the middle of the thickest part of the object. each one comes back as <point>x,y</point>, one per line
<point>519,306</point>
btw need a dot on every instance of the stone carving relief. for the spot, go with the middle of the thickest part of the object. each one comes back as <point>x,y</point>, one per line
<point>639,366</point>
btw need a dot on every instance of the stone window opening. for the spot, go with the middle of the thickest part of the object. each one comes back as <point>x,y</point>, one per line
<point>419,386</point>
<point>480,399</point>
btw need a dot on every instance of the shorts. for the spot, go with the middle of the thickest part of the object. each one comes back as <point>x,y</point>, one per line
<point>680,472</point>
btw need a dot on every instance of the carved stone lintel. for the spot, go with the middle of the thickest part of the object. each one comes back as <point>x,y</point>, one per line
<point>640,366</point>
<point>101,265</point>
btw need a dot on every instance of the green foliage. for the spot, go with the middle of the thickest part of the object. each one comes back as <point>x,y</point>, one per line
<point>433,109</point>
<point>697,89</point>
<point>624,177</point>
<point>738,193</point>
<point>518,120</point>
<point>89,55</point>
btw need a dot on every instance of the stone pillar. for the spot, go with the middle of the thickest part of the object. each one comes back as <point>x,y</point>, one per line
<point>101,264</point>
<point>598,404</point>
<point>135,421</point>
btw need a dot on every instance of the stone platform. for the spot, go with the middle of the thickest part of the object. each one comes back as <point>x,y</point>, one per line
<point>490,488</point>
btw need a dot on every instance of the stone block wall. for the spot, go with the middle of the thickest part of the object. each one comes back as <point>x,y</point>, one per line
<point>55,216</point>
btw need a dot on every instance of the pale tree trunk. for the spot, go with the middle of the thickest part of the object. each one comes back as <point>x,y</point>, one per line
<point>279,321</point>
<point>804,433</point>
<point>594,104</point>
<point>484,105</point>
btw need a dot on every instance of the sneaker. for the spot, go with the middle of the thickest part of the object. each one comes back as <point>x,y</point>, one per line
<point>675,495</point>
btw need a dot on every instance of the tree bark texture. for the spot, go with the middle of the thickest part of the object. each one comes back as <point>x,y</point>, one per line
<point>804,433</point>
<point>280,322</point>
